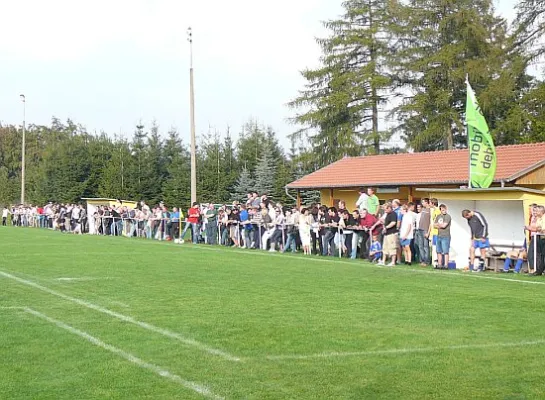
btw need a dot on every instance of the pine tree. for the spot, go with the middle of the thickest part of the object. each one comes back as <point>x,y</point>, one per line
<point>441,41</point>
<point>176,190</point>
<point>243,185</point>
<point>284,176</point>
<point>265,172</point>
<point>116,173</point>
<point>154,174</point>
<point>530,27</point>
<point>342,98</point>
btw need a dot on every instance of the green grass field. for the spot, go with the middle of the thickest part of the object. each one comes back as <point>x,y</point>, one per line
<point>87,317</point>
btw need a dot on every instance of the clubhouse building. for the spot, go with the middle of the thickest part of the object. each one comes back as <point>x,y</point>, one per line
<point>519,182</point>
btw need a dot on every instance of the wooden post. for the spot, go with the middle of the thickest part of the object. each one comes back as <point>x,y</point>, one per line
<point>298,199</point>
<point>410,196</point>
<point>331,199</point>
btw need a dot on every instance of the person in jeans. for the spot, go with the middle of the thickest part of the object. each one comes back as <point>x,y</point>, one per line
<point>422,234</point>
<point>257,229</point>
<point>211,216</point>
<point>245,226</point>
<point>290,223</point>
<point>193,215</point>
<point>442,224</point>
<point>367,223</point>
<point>331,225</point>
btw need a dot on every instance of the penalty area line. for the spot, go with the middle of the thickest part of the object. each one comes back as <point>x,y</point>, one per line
<point>165,332</point>
<point>198,388</point>
<point>407,350</point>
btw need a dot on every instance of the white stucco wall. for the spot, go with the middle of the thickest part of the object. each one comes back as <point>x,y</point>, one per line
<point>505,221</point>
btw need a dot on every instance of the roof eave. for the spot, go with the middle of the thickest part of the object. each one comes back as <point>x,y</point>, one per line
<point>337,186</point>
<point>526,171</point>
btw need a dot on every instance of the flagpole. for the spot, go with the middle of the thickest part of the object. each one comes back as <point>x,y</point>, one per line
<point>468,143</point>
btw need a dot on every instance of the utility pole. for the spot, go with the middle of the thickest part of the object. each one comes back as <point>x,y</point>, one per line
<point>192,119</point>
<point>23,99</point>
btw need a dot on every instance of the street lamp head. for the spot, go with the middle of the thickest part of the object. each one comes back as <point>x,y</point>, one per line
<point>23,98</point>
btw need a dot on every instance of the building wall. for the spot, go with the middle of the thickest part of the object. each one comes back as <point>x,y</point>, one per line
<point>534,178</point>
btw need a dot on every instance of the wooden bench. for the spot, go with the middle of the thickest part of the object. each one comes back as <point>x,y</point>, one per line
<point>495,259</point>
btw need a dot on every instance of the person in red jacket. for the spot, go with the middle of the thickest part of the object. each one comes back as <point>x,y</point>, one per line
<point>193,220</point>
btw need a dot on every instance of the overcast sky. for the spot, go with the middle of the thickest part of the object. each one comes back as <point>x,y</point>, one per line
<point>109,63</point>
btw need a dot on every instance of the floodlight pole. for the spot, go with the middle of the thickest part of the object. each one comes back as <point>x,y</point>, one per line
<point>192,120</point>
<point>23,99</point>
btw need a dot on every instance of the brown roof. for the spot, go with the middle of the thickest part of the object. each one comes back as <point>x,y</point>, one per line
<point>439,167</point>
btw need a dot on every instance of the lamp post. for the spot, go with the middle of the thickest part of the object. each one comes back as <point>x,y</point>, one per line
<point>23,99</point>
<point>192,119</point>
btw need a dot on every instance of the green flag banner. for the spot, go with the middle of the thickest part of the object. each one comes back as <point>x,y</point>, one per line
<point>482,154</point>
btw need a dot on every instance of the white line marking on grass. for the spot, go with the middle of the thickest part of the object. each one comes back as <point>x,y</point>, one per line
<point>119,303</point>
<point>77,279</point>
<point>12,308</point>
<point>203,390</point>
<point>409,350</point>
<point>80,279</point>
<point>125,318</point>
<point>420,271</point>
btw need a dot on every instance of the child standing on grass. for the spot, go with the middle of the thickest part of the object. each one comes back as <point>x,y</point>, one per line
<point>375,251</point>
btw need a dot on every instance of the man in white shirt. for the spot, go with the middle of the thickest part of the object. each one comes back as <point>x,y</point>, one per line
<point>362,200</point>
<point>5,213</point>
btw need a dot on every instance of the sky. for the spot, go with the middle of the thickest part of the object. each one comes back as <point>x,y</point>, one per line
<point>108,64</point>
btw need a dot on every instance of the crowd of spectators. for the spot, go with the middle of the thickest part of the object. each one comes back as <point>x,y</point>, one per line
<point>386,234</point>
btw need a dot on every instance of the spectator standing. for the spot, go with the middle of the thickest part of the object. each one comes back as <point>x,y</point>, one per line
<point>193,216</point>
<point>373,203</point>
<point>391,236</point>
<point>361,204</point>
<point>434,212</point>
<point>174,224</point>
<point>267,228</point>
<point>423,233</point>
<point>406,232</point>
<point>537,240</point>
<point>276,237</point>
<point>368,222</point>
<point>442,224</point>
<point>331,225</point>
<point>5,213</point>
<point>290,223</point>
<point>257,229</point>
<point>246,225</point>
<point>305,221</point>
<point>315,231</point>
<point>211,216</point>
<point>234,227</point>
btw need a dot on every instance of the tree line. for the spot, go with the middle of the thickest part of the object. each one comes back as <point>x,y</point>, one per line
<point>399,67</point>
<point>65,163</point>
<point>387,68</point>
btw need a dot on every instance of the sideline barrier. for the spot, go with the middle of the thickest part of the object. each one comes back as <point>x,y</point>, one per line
<point>171,229</point>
